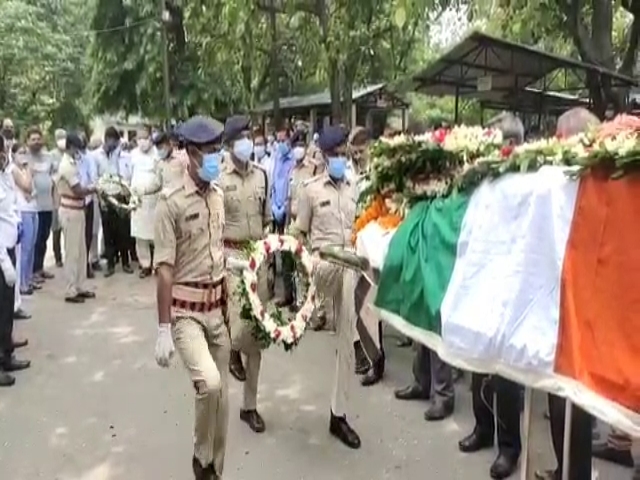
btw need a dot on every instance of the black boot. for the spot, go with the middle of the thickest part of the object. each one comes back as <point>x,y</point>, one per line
<point>340,428</point>
<point>235,366</point>
<point>375,373</point>
<point>202,473</point>
<point>362,362</point>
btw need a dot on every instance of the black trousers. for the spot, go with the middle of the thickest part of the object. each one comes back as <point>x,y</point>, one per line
<point>116,228</point>
<point>507,418</point>
<point>288,265</point>
<point>88,228</point>
<point>44,230</point>
<point>580,447</point>
<point>7,298</point>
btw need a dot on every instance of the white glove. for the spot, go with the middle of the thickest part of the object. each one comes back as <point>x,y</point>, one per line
<point>164,345</point>
<point>9,273</point>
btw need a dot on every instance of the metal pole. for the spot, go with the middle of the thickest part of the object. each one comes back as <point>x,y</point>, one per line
<point>526,465</point>
<point>566,444</point>
<point>164,19</point>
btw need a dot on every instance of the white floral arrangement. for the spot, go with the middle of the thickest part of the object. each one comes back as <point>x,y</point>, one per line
<point>273,328</point>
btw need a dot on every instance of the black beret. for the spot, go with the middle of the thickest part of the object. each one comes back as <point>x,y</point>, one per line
<point>299,136</point>
<point>200,130</point>
<point>332,137</point>
<point>74,140</point>
<point>235,125</point>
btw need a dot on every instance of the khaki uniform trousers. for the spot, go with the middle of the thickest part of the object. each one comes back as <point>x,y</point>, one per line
<point>202,341</point>
<point>72,222</point>
<point>242,338</point>
<point>337,284</point>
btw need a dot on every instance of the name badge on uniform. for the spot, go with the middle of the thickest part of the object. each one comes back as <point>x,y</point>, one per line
<point>325,203</point>
<point>231,188</point>
<point>192,217</point>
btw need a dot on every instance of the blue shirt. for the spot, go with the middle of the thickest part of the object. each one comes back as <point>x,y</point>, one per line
<point>281,173</point>
<point>88,172</point>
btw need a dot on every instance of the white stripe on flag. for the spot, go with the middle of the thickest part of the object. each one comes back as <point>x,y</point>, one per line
<point>503,299</point>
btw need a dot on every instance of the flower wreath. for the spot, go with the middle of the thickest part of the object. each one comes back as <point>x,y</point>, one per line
<point>274,328</point>
<point>110,186</point>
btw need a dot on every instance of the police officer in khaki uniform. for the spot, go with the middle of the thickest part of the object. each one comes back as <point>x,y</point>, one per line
<point>304,169</point>
<point>72,190</point>
<point>326,212</point>
<point>192,291</point>
<point>247,213</point>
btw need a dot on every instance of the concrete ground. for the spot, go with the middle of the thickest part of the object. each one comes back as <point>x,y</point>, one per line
<point>94,406</point>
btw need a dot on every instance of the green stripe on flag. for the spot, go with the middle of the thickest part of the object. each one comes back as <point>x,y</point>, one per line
<point>420,261</point>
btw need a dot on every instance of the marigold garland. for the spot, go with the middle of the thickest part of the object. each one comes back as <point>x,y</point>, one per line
<point>377,211</point>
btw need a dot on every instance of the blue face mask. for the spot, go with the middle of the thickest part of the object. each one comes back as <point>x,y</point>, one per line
<point>210,169</point>
<point>283,148</point>
<point>337,167</point>
<point>259,151</point>
<point>163,153</point>
<point>242,149</point>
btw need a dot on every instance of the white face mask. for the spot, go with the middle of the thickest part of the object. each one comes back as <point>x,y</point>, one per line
<point>259,151</point>
<point>144,144</point>
<point>298,153</point>
<point>61,144</point>
<point>243,149</point>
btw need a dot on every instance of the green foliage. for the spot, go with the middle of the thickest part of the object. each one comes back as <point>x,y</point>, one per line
<point>42,61</point>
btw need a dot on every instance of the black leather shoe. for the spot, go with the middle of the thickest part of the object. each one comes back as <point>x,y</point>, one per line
<point>340,428</point>
<point>608,454</point>
<point>202,473</point>
<point>253,419</point>
<point>87,294</point>
<point>362,362</point>
<point>127,269</point>
<point>15,365</point>
<point>110,272</point>
<point>235,366</point>
<point>96,267</point>
<point>439,410</point>
<point>475,442</point>
<point>76,299</point>
<point>6,380</point>
<point>144,273</point>
<point>503,466</point>
<point>20,314</point>
<point>375,373</point>
<point>412,392</point>
<point>20,343</point>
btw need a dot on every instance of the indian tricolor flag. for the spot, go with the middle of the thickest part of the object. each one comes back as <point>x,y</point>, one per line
<point>532,276</point>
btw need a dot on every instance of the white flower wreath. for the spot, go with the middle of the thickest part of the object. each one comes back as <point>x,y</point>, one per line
<point>111,186</point>
<point>273,326</point>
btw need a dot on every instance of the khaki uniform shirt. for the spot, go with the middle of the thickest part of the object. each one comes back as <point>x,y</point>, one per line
<point>168,173</point>
<point>301,172</point>
<point>247,203</point>
<point>188,232</point>
<point>67,177</point>
<point>326,211</point>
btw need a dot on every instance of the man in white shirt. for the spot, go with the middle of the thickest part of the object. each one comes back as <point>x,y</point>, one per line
<point>144,166</point>
<point>116,226</point>
<point>9,236</point>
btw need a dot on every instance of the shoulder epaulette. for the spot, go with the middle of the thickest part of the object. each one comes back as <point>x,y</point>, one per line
<point>168,192</point>
<point>312,180</point>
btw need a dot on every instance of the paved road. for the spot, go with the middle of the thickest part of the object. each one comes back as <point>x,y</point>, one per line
<point>94,406</point>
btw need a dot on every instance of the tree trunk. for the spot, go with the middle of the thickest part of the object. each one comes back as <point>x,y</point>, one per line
<point>275,65</point>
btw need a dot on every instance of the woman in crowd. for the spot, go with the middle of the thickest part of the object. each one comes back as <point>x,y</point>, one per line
<point>29,216</point>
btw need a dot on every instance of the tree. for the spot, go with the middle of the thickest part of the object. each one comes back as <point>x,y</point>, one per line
<point>41,63</point>
<point>600,32</point>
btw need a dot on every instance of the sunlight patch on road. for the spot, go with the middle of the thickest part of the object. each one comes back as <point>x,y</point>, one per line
<point>101,472</point>
<point>98,376</point>
<point>69,359</point>
<point>59,437</point>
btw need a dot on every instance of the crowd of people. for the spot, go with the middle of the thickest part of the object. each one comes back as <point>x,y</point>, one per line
<point>206,190</point>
